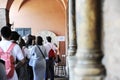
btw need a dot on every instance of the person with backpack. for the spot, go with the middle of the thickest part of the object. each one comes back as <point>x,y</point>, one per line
<point>50,60</point>
<point>13,50</point>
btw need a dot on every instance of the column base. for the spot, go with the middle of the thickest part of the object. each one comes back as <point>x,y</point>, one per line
<point>71,64</point>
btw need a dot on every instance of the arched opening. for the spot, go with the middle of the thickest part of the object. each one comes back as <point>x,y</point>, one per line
<point>39,17</point>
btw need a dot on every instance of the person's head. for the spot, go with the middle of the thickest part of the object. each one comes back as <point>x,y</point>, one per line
<point>39,40</point>
<point>48,38</point>
<point>6,32</point>
<point>14,36</point>
<point>29,42</point>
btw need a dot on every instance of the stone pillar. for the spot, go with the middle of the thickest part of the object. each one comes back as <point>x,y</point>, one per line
<point>4,19</point>
<point>89,53</point>
<point>72,38</point>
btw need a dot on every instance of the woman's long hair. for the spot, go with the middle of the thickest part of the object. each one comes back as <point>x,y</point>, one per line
<point>39,40</point>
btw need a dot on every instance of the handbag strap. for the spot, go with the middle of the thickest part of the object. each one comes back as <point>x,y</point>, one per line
<point>41,51</point>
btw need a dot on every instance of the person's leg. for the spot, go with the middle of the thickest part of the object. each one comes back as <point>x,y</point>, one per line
<point>30,72</point>
<point>51,68</point>
<point>47,70</point>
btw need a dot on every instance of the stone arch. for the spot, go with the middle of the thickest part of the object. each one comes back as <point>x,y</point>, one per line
<point>45,33</point>
<point>9,3</point>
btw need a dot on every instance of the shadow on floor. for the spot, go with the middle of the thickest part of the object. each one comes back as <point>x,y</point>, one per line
<point>60,78</point>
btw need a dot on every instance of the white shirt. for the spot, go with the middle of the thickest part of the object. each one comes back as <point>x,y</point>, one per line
<point>29,50</point>
<point>16,52</point>
<point>48,46</point>
<point>36,53</point>
<point>26,52</point>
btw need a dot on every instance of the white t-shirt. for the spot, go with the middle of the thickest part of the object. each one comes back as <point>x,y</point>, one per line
<point>48,46</point>
<point>16,52</point>
<point>26,52</point>
<point>29,50</point>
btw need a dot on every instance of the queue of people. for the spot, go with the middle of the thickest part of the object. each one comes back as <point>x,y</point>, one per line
<point>31,58</point>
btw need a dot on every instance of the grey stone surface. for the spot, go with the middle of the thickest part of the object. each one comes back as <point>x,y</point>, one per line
<point>2,17</point>
<point>111,38</point>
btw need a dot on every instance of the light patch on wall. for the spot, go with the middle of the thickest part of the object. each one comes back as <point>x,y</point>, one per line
<point>61,38</point>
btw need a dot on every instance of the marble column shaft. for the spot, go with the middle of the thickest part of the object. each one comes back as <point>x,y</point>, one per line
<point>72,38</point>
<point>89,53</point>
<point>72,27</point>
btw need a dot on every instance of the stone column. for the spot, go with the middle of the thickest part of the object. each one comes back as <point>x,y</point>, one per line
<point>89,53</point>
<point>72,37</point>
<point>3,17</point>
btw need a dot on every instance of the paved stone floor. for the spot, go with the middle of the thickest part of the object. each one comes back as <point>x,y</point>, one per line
<point>61,79</point>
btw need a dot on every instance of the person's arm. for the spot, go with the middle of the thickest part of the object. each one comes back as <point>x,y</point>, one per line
<point>45,52</point>
<point>20,63</point>
<point>19,56</point>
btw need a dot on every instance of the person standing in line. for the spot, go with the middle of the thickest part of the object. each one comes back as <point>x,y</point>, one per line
<point>19,69</point>
<point>29,47</point>
<point>23,74</point>
<point>37,60</point>
<point>49,62</point>
<point>16,51</point>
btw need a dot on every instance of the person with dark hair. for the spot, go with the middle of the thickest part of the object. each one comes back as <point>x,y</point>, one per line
<point>6,32</point>
<point>14,36</point>
<point>29,47</point>
<point>49,61</point>
<point>29,41</point>
<point>22,69</point>
<point>15,52</point>
<point>37,60</point>
<point>49,39</point>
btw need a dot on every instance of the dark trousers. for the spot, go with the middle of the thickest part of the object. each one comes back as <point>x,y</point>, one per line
<point>30,72</point>
<point>49,69</point>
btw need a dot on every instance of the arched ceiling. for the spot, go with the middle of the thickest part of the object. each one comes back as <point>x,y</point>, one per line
<point>7,3</point>
<point>63,3</point>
